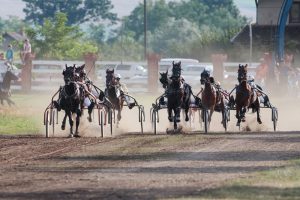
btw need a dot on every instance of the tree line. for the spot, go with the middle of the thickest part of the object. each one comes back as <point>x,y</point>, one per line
<point>66,29</point>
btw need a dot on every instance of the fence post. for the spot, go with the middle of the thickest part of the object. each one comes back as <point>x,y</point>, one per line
<point>90,65</point>
<point>218,61</point>
<point>152,60</point>
<point>26,74</point>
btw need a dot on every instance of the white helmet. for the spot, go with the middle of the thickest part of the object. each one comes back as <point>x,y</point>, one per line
<point>118,76</point>
<point>251,78</point>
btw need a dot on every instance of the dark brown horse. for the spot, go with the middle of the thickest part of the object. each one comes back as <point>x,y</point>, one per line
<point>5,87</point>
<point>113,93</point>
<point>209,95</point>
<point>246,97</point>
<point>175,94</point>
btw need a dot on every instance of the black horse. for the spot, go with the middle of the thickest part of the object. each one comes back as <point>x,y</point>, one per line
<point>113,93</point>
<point>5,87</point>
<point>70,100</point>
<point>86,87</point>
<point>178,94</point>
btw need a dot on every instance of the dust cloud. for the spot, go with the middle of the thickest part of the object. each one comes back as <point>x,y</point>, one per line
<point>34,104</point>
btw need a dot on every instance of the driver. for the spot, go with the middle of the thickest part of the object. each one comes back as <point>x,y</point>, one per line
<point>122,87</point>
<point>263,97</point>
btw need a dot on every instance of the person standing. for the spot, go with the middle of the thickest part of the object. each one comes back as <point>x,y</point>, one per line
<point>9,56</point>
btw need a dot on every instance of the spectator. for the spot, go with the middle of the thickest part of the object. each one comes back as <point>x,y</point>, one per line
<point>26,49</point>
<point>1,56</point>
<point>262,71</point>
<point>9,56</point>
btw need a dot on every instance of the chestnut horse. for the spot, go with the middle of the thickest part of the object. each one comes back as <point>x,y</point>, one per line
<point>246,97</point>
<point>208,95</point>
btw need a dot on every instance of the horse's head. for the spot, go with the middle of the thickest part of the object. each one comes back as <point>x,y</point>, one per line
<point>81,73</point>
<point>205,77</point>
<point>164,79</point>
<point>110,78</point>
<point>8,77</point>
<point>176,70</point>
<point>242,72</point>
<point>69,74</point>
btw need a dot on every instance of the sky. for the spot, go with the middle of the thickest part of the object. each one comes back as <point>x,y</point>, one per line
<point>121,7</point>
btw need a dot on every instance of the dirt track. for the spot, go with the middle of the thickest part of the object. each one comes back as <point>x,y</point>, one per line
<point>135,166</point>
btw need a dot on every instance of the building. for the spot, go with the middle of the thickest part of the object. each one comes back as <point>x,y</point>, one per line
<point>264,31</point>
<point>12,37</point>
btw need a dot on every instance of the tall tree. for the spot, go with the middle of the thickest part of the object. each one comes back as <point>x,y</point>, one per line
<point>57,40</point>
<point>77,11</point>
<point>157,15</point>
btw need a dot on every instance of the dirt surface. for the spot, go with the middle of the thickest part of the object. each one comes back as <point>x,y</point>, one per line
<point>136,166</point>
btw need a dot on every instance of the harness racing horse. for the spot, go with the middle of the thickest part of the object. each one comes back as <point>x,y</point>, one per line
<point>178,94</point>
<point>208,96</point>
<point>85,89</point>
<point>5,87</point>
<point>246,97</point>
<point>113,93</point>
<point>70,100</point>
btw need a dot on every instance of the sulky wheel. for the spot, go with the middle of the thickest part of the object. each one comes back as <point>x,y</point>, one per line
<point>274,117</point>
<point>46,122</point>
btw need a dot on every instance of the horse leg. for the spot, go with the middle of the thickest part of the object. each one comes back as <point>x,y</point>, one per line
<point>119,115</point>
<point>78,114</point>
<point>10,102</point>
<point>177,116</point>
<point>258,111</point>
<point>187,113</point>
<point>63,124</point>
<point>90,110</point>
<point>210,114</point>
<point>170,118</point>
<point>71,123</point>
<point>238,116</point>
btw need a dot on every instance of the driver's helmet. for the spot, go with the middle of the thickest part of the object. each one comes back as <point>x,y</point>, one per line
<point>118,76</point>
<point>251,78</point>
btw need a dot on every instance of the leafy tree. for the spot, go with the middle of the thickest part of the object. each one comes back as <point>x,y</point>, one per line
<point>124,48</point>
<point>57,40</point>
<point>13,23</point>
<point>157,15</point>
<point>173,38</point>
<point>96,33</point>
<point>220,14</point>
<point>77,11</point>
<point>217,14</point>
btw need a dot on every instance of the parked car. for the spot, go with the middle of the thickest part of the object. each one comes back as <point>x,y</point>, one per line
<point>191,73</point>
<point>127,71</point>
<point>230,71</point>
<point>166,63</point>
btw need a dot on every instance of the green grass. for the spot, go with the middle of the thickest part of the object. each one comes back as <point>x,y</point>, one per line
<point>18,125</point>
<point>281,184</point>
<point>24,118</point>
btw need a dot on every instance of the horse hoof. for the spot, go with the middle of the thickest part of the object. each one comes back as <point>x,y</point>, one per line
<point>63,128</point>
<point>70,136</point>
<point>170,119</point>
<point>89,119</point>
<point>259,121</point>
<point>187,119</point>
